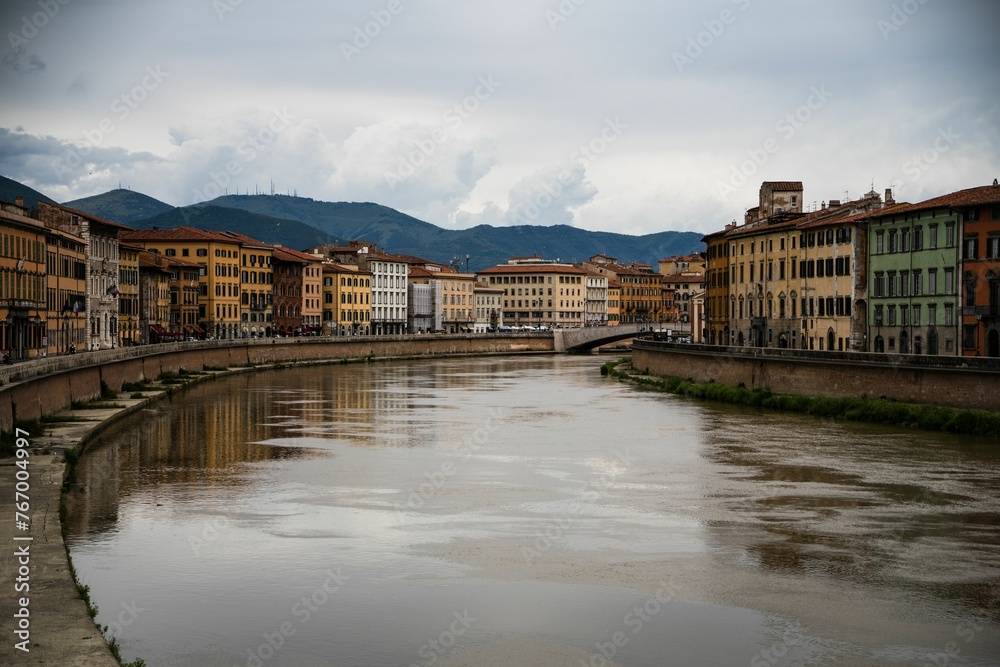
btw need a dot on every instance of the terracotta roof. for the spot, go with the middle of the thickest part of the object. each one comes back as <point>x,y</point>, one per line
<point>289,255</point>
<point>421,272</point>
<point>176,234</point>
<point>84,214</point>
<point>785,186</point>
<point>532,268</point>
<point>984,195</point>
<point>684,278</point>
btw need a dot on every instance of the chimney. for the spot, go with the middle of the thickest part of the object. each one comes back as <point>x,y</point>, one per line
<point>889,201</point>
<point>19,201</point>
<point>834,203</point>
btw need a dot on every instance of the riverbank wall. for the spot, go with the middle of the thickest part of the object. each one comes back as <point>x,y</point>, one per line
<point>41,387</point>
<point>955,382</point>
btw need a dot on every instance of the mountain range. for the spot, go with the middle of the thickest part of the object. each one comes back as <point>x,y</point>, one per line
<point>299,222</point>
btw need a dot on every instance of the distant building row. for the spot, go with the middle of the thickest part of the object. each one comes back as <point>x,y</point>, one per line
<point>864,275</point>
<point>73,281</point>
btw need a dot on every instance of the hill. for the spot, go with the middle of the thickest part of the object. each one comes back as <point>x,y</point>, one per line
<point>10,190</point>
<point>486,245</point>
<point>289,233</point>
<point>124,206</point>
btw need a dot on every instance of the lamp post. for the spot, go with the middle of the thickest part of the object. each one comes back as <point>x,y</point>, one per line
<point>467,256</point>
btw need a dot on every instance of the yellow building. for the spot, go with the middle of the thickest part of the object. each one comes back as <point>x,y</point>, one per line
<point>66,294</point>
<point>540,294</point>
<point>614,302</point>
<point>256,287</point>
<point>218,257</point>
<point>458,301</point>
<point>23,313</point>
<point>347,298</point>
<point>129,328</point>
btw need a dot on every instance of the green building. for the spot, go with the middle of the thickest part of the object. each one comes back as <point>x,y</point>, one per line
<point>914,265</point>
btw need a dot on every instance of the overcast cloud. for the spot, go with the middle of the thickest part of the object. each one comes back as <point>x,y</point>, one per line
<point>635,117</point>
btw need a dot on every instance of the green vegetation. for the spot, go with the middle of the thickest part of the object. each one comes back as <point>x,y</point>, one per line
<point>137,386</point>
<point>96,405</point>
<point>870,410</point>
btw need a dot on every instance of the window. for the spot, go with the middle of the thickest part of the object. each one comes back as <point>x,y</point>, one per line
<point>892,283</point>
<point>949,314</point>
<point>934,242</point>
<point>932,314</point>
<point>892,241</point>
<point>917,282</point>
<point>916,314</point>
<point>932,281</point>
<point>879,286</point>
<point>879,242</point>
<point>993,247</point>
<point>969,337</point>
<point>949,235</point>
<point>949,281</point>
<point>970,247</point>
<point>918,238</point>
<point>904,316</point>
<point>892,316</point>
<point>878,316</point>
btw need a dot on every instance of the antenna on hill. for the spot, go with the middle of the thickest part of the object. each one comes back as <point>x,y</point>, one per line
<point>272,187</point>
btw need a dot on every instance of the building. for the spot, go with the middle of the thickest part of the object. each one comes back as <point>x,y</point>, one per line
<point>596,301</point>
<point>717,287</point>
<point>539,294</point>
<point>935,269</point>
<point>914,264</point>
<point>683,287</point>
<point>980,208</point>
<point>424,301</point>
<point>218,257</point>
<point>23,285</point>
<point>833,274</point>
<point>101,237</point>
<point>66,291</point>
<point>643,297</point>
<point>489,308</point>
<point>256,287</point>
<point>682,264</point>
<point>614,301</point>
<point>298,292</point>
<point>129,327</point>
<point>458,301</point>
<point>154,298</point>
<point>388,282</point>
<point>346,300</point>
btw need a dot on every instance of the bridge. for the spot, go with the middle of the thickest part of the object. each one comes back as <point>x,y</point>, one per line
<point>587,338</point>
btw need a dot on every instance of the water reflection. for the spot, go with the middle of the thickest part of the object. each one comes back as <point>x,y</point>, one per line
<point>867,544</point>
<point>914,512</point>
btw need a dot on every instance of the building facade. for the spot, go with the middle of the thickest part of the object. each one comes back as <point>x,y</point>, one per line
<point>539,294</point>
<point>103,275</point>
<point>66,295</point>
<point>23,285</point>
<point>129,325</point>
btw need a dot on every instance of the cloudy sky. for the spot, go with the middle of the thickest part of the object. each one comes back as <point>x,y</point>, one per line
<point>633,116</point>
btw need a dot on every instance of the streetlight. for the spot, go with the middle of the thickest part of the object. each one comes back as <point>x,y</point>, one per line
<point>467,262</point>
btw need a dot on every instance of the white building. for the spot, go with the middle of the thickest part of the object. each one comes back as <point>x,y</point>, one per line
<point>489,308</point>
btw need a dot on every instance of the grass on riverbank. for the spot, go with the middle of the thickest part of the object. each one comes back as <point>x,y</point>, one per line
<point>870,410</point>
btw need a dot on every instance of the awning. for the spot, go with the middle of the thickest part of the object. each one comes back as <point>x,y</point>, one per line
<point>198,329</point>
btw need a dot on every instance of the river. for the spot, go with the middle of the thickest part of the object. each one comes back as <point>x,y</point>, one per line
<point>528,511</point>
